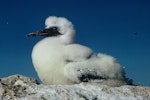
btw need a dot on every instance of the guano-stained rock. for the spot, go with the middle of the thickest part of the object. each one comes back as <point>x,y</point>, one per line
<point>18,87</point>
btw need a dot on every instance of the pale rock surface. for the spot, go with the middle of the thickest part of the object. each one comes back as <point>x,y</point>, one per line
<point>18,87</point>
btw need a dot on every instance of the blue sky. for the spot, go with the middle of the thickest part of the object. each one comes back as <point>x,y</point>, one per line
<point>106,26</point>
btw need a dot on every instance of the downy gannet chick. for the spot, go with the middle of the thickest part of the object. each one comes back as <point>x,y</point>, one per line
<point>58,60</point>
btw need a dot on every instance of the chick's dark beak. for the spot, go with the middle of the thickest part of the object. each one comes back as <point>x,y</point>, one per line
<point>52,31</point>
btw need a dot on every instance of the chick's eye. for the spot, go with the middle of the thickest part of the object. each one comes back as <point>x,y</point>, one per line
<point>55,28</point>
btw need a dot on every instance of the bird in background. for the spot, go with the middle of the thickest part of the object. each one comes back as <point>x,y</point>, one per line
<point>57,59</point>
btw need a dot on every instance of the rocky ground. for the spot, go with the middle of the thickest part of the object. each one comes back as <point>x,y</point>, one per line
<point>18,87</point>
